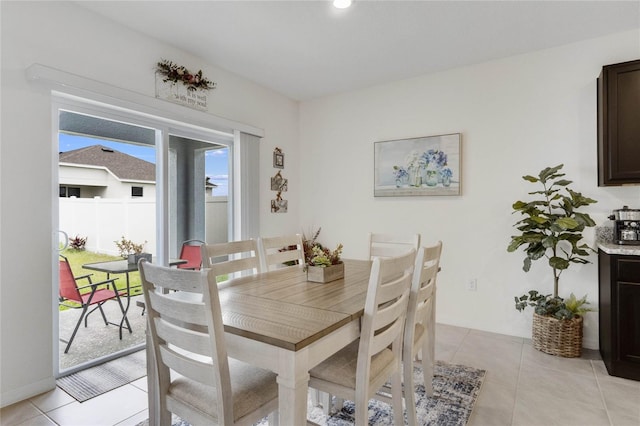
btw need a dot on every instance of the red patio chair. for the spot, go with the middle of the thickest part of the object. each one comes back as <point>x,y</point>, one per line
<point>192,254</point>
<point>70,291</point>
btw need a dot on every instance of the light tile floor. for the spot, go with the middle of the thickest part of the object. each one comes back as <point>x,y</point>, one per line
<point>522,387</point>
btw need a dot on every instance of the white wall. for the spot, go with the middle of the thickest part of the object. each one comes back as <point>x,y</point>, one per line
<point>517,116</point>
<point>65,36</point>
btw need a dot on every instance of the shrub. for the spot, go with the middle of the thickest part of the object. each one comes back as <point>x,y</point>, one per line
<point>77,242</point>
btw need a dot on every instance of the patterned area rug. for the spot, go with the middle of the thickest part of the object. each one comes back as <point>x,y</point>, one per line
<point>455,387</point>
<point>102,378</point>
<point>455,390</point>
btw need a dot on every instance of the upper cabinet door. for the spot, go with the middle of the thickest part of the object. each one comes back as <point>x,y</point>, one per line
<point>619,124</point>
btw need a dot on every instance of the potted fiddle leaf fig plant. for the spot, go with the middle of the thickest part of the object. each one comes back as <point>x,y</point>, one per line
<point>551,228</point>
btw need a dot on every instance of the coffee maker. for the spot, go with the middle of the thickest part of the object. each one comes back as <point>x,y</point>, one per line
<point>626,226</point>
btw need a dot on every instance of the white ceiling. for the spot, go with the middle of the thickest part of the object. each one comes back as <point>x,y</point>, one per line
<point>308,49</point>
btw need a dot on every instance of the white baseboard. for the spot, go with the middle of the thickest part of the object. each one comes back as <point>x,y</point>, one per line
<point>26,392</point>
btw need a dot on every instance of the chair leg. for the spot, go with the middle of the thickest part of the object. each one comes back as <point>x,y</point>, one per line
<point>428,361</point>
<point>104,317</point>
<point>325,400</point>
<point>409,393</point>
<point>273,419</point>
<point>124,314</point>
<point>396,397</point>
<point>75,330</point>
<point>165,417</point>
<point>86,317</point>
<point>361,412</point>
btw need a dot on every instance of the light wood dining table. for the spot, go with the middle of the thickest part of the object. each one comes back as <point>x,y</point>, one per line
<point>281,322</point>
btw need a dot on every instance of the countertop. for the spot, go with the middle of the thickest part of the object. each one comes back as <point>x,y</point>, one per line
<point>611,248</point>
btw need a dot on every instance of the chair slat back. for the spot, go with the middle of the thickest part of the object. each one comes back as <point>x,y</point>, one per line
<point>68,287</point>
<point>275,251</point>
<point>232,257</point>
<point>423,286</point>
<point>186,329</point>
<point>385,310</point>
<point>388,245</point>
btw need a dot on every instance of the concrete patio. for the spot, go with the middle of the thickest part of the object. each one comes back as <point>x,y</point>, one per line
<point>97,340</point>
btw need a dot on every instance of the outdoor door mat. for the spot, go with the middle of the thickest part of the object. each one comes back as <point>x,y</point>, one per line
<point>102,378</point>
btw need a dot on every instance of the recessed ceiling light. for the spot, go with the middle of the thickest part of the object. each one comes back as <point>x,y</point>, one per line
<point>341,4</point>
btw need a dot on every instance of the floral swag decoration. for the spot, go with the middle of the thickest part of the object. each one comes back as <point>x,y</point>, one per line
<point>174,73</point>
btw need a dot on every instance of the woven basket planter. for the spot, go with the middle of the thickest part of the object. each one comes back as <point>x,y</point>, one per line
<point>558,337</point>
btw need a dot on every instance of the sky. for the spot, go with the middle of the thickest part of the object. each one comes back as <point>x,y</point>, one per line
<point>216,161</point>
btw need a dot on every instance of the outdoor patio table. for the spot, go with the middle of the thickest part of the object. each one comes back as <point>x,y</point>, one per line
<point>123,267</point>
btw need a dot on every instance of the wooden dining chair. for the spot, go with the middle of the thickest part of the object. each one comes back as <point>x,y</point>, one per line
<point>231,258</point>
<point>388,245</point>
<point>420,327</point>
<point>419,330</point>
<point>196,379</point>
<point>359,370</point>
<point>281,251</point>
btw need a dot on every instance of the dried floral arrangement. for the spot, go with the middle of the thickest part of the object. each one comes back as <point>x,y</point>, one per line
<point>127,247</point>
<point>317,255</point>
<point>174,73</point>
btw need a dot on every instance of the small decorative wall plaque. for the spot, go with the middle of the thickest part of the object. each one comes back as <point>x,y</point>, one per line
<point>177,84</point>
<point>279,205</point>
<point>278,158</point>
<point>278,183</point>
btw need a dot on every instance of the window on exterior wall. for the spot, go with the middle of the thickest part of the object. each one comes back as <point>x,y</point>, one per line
<point>136,191</point>
<point>69,191</point>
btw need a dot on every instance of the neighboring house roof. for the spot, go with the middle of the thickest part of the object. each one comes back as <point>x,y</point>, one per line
<point>123,166</point>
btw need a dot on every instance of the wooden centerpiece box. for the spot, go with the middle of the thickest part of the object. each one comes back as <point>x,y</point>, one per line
<point>325,274</point>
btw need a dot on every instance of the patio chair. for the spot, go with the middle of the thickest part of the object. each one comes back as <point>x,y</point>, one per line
<point>192,254</point>
<point>71,292</point>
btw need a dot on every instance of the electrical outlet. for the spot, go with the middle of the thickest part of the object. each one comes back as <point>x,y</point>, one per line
<point>472,284</point>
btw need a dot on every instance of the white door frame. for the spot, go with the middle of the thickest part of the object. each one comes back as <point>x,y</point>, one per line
<point>164,127</point>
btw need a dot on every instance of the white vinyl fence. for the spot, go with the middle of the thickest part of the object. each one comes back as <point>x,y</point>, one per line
<point>105,220</point>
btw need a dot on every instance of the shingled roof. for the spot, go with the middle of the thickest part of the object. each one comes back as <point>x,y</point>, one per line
<point>122,165</point>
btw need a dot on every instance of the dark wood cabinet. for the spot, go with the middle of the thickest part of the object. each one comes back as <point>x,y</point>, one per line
<point>619,314</point>
<point>619,124</point>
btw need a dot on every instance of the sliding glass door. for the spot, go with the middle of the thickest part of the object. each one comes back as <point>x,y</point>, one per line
<point>124,178</point>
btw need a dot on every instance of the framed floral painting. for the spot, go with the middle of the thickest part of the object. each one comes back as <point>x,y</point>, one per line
<point>428,165</point>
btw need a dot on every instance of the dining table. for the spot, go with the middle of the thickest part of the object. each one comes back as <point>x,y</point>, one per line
<point>123,267</point>
<point>281,322</point>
